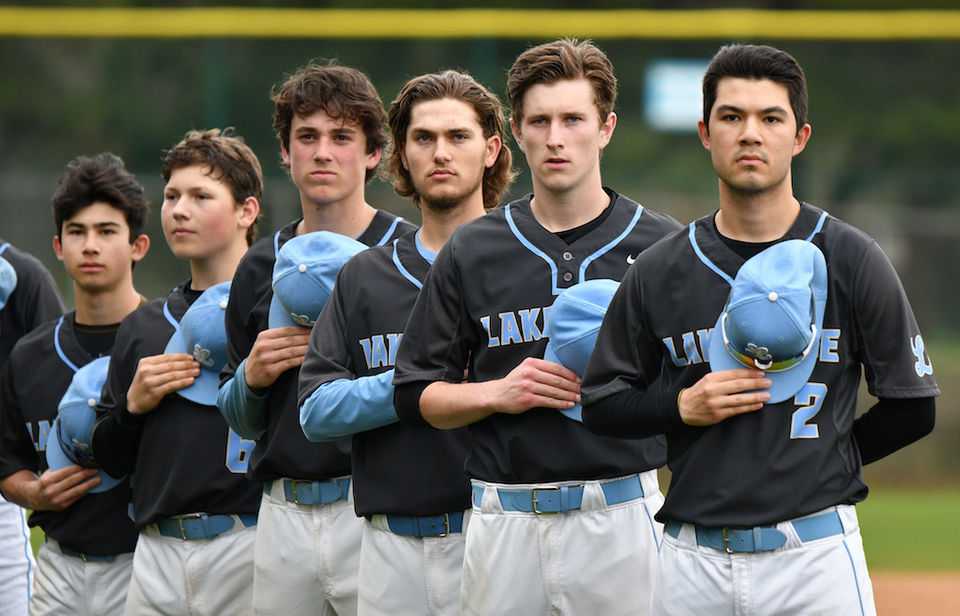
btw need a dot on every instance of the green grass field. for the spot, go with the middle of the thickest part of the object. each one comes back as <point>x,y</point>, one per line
<point>907,530</point>
<point>903,530</point>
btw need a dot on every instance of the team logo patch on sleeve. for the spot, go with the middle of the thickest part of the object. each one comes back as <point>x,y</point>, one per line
<point>923,366</point>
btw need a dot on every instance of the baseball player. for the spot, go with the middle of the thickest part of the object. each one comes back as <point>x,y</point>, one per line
<point>449,156</point>
<point>28,297</point>
<point>330,122</point>
<point>482,311</point>
<point>742,339</point>
<point>194,507</point>
<point>84,566</point>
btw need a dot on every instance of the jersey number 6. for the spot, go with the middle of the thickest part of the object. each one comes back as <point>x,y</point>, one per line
<point>238,452</point>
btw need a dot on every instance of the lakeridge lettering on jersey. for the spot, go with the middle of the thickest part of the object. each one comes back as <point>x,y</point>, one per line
<point>691,348</point>
<point>380,350</point>
<point>515,327</point>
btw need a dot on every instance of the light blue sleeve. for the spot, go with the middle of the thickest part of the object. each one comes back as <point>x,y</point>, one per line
<point>244,410</point>
<point>347,406</point>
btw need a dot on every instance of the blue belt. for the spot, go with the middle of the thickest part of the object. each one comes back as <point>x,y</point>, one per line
<point>762,538</point>
<point>196,526</point>
<point>558,499</point>
<point>426,525</point>
<point>87,558</point>
<point>306,492</point>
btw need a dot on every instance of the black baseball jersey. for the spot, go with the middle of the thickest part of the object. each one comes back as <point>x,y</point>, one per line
<point>482,309</point>
<point>403,468</point>
<point>283,450</point>
<point>33,301</point>
<point>33,381</point>
<point>183,456</point>
<point>791,458</point>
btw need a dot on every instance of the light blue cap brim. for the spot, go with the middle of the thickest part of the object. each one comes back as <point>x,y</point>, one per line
<point>278,316</point>
<point>206,386</point>
<point>576,412</point>
<point>57,459</point>
<point>783,384</point>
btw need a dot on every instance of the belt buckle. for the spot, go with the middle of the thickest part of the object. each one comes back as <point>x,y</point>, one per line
<point>296,492</point>
<point>533,499</point>
<point>186,516</point>
<point>725,538</point>
<point>446,525</point>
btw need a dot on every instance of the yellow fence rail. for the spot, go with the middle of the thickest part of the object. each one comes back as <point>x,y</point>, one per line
<point>723,24</point>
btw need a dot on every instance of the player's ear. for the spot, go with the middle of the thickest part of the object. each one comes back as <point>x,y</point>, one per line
<point>139,247</point>
<point>373,158</point>
<point>494,145</point>
<point>515,131</point>
<point>803,136</point>
<point>704,133</point>
<point>284,156</point>
<point>247,212</point>
<point>606,129</point>
<point>57,247</point>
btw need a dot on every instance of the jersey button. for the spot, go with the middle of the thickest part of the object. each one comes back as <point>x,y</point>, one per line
<point>567,276</point>
<point>567,256</point>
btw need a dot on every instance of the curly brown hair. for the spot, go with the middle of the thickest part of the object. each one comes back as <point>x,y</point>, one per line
<point>340,92</point>
<point>458,86</point>
<point>558,61</point>
<point>229,159</point>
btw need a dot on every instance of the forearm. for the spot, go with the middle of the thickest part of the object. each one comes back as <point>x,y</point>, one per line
<point>20,488</point>
<point>448,405</point>
<point>633,413</point>
<point>892,424</point>
<point>244,410</point>
<point>115,446</point>
<point>348,406</point>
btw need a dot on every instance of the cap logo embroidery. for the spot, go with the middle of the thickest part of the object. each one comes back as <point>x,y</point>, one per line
<point>301,319</point>
<point>759,353</point>
<point>202,356</point>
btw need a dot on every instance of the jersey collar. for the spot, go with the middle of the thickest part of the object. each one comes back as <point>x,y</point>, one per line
<point>408,260</point>
<point>67,344</point>
<point>573,258</point>
<point>714,253</point>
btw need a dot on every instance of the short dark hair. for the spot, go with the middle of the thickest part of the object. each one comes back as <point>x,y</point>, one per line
<point>104,178</point>
<point>340,92</point>
<point>563,60</point>
<point>757,62</point>
<point>462,87</point>
<point>229,160</point>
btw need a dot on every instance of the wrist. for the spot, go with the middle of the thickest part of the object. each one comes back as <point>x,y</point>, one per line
<point>32,493</point>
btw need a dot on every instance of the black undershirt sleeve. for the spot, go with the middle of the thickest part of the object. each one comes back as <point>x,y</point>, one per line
<point>892,424</point>
<point>633,414</point>
<point>407,400</point>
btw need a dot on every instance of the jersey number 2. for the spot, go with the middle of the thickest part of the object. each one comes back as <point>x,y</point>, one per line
<point>810,400</point>
<point>238,452</point>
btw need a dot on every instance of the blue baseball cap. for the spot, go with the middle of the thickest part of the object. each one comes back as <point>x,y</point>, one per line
<point>303,276</point>
<point>203,334</point>
<point>70,437</point>
<point>8,281</point>
<point>572,326</point>
<point>773,318</point>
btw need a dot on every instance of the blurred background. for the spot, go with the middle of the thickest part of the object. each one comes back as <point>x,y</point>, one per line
<point>883,105</point>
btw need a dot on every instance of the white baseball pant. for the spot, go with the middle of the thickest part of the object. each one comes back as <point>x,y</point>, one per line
<point>16,560</point>
<point>206,577</point>
<point>825,576</point>
<point>598,559</point>
<point>409,576</point>
<point>306,557</point>
<point>69,586</point>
